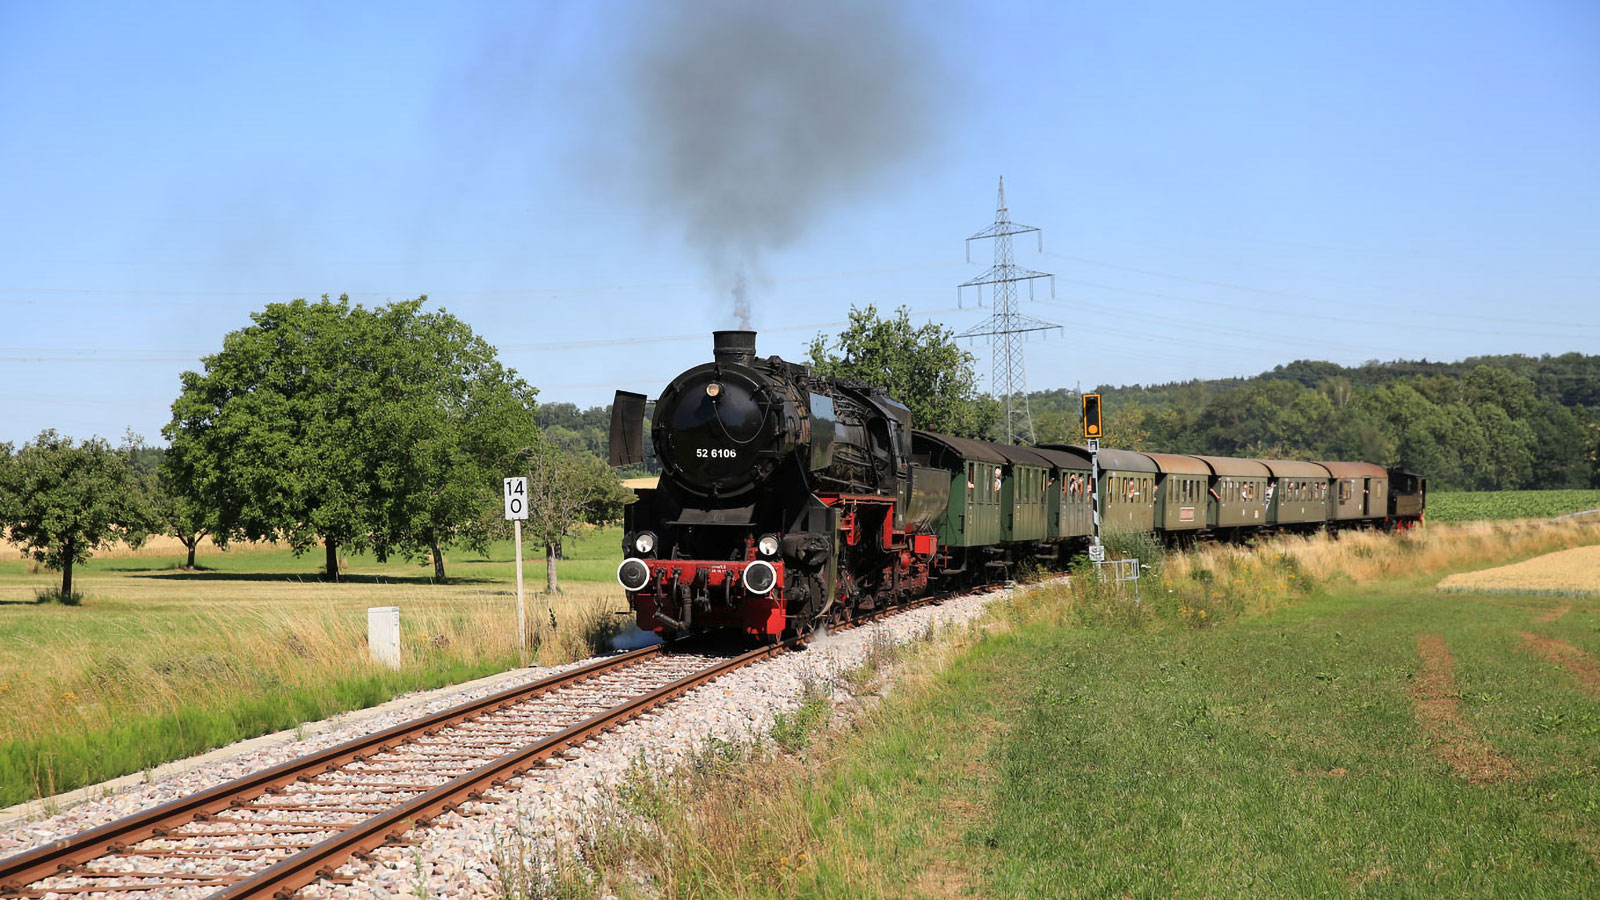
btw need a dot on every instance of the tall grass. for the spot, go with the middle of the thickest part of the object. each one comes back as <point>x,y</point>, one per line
<point>1216,582</point>
<point>95,700</point>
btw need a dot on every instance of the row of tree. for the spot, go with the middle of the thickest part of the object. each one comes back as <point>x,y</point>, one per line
<point>385,429</point>
<point>1493,423</point>
<point>1478,427</point>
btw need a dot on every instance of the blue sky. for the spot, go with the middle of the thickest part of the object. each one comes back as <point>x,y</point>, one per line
<point>1223,187</point>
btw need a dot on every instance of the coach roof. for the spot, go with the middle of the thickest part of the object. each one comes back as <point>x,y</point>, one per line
<point>1121,460</point>
<point>1178,464</point>
<point>1072,458</point>
<point>1227,465</point>
<point>1294,468</point>
<point>1354,469</point>
<point>966,448</point>
<point>1022,456</point>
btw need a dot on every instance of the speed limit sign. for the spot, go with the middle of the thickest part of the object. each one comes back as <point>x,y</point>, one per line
<point>516,498</point>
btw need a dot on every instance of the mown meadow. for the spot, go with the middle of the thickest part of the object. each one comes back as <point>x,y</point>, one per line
<point>161,662</point>
<point>1306,718</point>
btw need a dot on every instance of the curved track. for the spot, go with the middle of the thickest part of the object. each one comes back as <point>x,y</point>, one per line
<point>275,831</point>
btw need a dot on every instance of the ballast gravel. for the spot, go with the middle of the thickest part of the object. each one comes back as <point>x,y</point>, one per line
<point>453,856</point>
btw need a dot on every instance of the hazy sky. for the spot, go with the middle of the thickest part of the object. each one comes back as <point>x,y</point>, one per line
<point>1223,187</point>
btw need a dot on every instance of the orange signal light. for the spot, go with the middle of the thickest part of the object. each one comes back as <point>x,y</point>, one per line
<point>1091,415</point>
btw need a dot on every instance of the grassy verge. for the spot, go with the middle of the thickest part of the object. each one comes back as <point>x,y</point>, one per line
<point>161,663</point>
<point>1462,506</point>
<point>1071,748</point>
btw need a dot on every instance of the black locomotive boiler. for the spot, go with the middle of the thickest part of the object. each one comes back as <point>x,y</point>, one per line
<point>786,499</point>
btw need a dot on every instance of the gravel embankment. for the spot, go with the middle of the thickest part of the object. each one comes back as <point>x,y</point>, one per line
<point>228,763</point>
<point>453,856</point>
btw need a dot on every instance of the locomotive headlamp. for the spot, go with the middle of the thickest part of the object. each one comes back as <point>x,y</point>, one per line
<point>633,574</point>
<point>759,577</point>
<point>768,545</point>
<point>713,389</point>
<point>645,542</point>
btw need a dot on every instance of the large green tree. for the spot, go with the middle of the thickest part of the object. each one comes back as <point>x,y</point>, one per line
<point>921,367</point>
<point>62,501</point>
<point>442,428</point>
<point>375,429</point>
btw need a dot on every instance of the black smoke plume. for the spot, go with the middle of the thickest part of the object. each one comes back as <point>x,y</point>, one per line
<point>753,118</point>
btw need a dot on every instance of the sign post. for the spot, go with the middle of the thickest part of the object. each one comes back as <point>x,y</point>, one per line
<point>1091,433</point>
<point>516,510</point>
<point>1097,551</point>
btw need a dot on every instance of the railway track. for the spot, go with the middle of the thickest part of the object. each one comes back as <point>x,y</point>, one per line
<point>273,832</point>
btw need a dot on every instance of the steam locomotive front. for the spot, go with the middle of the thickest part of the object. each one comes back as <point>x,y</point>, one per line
<point>705,549</point>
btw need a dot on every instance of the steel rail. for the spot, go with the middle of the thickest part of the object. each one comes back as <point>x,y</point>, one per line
<point>284,878</point>
<point>60,856</point>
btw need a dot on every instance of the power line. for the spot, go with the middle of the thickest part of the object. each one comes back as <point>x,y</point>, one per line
<point>1291,295</point>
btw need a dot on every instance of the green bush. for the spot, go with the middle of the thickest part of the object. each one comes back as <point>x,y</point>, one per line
<point>54,595</point>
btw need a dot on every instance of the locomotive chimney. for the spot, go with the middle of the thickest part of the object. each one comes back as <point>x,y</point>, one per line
<point>733,347</point>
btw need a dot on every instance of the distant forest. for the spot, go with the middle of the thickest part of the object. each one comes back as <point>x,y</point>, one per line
<point>1485,423</point>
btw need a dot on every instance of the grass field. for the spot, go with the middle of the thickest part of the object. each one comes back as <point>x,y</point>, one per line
<point>1462,506</point>
<point>1363,735</point>
<point>160,663</point>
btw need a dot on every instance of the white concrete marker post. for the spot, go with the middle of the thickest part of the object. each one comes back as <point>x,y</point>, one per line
<point>516,511</point>
<point>383,635</point>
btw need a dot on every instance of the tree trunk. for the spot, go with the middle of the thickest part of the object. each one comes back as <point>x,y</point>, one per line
<point>66,574</point>
<point>438,561</point>
<point>331,567</point>
<point>550,584</point>
<point>191,544</point>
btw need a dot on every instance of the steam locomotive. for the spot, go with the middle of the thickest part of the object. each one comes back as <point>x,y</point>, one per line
<point>788,500</point>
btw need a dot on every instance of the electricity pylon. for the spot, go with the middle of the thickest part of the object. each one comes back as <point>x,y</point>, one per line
<point>1007,328</point>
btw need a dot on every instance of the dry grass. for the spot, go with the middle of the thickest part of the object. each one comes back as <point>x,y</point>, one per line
<point>1215,582</point>
<point>86,675</point>
<point>159,545</point>
<point>1365,557</point>
<point>1574,571</point>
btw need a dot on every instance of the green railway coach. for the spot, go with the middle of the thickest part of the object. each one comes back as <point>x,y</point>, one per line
<point>1360,491</point>
<point>1127,488</point>
<point>1298,492</point>
<point>1238,492</point>
<point>1181,492</point>
<point>1071,513</point>
<point>1024,494</point>
<point>976,479</point>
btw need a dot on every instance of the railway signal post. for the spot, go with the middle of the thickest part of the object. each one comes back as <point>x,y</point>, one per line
<point>1091,434</point>
<point>516,497</point>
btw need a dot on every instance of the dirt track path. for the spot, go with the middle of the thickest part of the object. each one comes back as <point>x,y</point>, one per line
<point>1563,654</point>
<point>1438,711</point>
